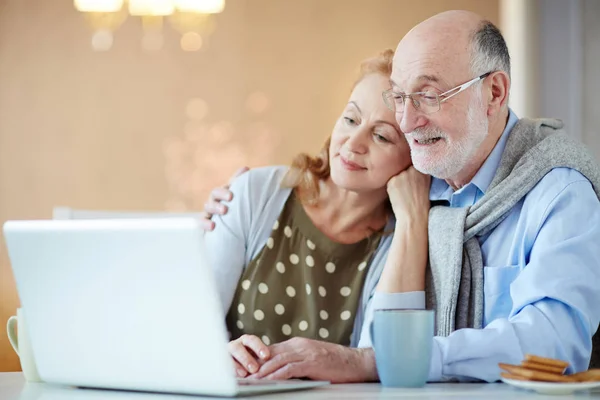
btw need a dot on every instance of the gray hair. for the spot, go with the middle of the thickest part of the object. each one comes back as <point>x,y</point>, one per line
<point>488,50</point>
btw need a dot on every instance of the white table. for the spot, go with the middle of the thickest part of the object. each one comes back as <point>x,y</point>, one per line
<point>13,386</point>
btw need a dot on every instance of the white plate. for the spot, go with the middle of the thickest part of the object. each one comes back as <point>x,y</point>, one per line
<point>552,387</point>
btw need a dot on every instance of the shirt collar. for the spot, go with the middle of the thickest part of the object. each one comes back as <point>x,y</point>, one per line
<point>440,190</point>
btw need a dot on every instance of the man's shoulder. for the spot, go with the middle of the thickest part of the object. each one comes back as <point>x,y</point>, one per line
<point>557,180</point>
<point>560,182</point>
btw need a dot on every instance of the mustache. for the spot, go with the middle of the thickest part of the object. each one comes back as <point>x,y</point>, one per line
<point>426,133</point>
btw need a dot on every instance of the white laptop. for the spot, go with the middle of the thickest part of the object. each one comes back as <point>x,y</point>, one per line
<point>126,304</point>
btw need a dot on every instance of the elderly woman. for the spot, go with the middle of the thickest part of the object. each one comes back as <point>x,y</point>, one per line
<point>306,253</point>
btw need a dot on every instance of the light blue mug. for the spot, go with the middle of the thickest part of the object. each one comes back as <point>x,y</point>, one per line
<point>402,340</point>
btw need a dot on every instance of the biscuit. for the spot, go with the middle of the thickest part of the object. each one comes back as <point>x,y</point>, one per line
<point>546,361</point>
<point>543,367</point>
<point>534,375</point>
<point>591,375</point>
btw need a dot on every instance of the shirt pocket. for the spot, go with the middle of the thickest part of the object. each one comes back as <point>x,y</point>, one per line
<point>496,291</point>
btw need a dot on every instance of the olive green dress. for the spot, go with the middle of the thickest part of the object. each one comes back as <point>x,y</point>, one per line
<point>301,283</point>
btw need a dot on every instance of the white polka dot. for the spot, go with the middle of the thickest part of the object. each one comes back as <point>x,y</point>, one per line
<point>276,225</point>
<point>294,259</point>
<point>310,261</point>
<point>324,333</point>
<point>263,288</point>
<point>279,309</point>
<point>280,267</point>
<point>323,314</point>
<point>362,265</point>
<point>270,243</point>
<point>308,289</point>
<point>287,231</point>
<point>259,315</point>
<point>241,308</point>
<point>290,291</point>
<point>322,291</point>
<point>303,325</point>
<point>266,340</point>
<point>330,267</point>
<point>310,245</point>
<point>345,291</point>
<point>240,325</point>
<point>345,315</point>
<point>246,284</point>
<point>286,329</point>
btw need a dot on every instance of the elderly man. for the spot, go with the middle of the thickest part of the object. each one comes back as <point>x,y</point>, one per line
<point>514,253</point>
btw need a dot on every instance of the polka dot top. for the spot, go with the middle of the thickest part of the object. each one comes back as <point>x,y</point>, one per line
<point>301,283</point>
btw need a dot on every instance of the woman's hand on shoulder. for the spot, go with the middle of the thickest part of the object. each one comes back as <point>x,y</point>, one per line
<point>248,353</point>
<point>409,194</point>
<point>214,205</point>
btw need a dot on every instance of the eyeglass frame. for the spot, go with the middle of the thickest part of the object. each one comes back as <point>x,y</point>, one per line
<point>417,105</point>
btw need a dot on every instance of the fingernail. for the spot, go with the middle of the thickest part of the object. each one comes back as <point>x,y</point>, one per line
<point>262,354</point>
<point>251,368</point>
<point>221,208</point>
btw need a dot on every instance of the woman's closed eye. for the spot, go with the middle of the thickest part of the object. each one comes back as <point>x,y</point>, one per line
<point>381,136</point>
<point>350,121</point>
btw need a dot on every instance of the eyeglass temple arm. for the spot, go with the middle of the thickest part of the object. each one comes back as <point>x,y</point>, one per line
<point>445,96</point>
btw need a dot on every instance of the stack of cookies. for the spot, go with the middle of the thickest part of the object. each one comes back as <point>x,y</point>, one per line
<point>534,368</point>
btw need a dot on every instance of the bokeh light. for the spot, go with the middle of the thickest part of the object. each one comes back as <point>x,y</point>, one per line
<point>191,41</point>
<point>257,102</point>
<point>102,40</point>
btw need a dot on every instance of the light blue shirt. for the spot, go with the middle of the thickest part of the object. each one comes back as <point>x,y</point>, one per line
<point>541,276</point>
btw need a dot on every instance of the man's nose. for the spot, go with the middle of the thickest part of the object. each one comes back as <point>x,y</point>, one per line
<point>411,117</point>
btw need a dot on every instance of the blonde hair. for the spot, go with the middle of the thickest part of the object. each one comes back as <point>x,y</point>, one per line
<point>306,171</point>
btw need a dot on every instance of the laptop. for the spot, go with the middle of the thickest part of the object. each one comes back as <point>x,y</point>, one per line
<point>126,304</point>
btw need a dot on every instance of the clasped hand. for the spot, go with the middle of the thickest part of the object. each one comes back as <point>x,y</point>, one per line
<point>294,358</point>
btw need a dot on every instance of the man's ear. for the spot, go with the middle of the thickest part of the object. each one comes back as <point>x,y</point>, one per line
<point>499,85</point>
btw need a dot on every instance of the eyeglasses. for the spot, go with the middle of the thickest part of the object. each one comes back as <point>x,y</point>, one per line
<point>428,102</point>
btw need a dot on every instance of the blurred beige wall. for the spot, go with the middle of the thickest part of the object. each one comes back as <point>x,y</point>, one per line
<point>590,77</point>
<point>135,130</point>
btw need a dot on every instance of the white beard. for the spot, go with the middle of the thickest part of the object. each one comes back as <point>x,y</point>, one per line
<point>458,152</point>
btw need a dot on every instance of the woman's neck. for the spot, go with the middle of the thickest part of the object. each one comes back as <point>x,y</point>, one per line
<point>346,216</point>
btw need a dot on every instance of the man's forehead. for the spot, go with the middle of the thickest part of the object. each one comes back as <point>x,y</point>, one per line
<point>437,50</point>
<point>420,69</point>
<point>414,75</point>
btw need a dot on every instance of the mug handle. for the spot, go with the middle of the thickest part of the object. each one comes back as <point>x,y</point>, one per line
<point>371,332</point>
<point>12,336</point>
